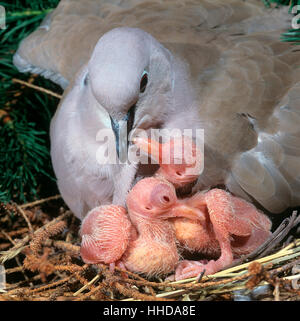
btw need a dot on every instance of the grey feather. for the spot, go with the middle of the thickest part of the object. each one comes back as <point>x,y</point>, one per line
<point>211,65</point>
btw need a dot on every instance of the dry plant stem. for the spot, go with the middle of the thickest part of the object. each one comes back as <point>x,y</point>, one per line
<point>276,292</point>
<point>131,285</point>
<point>68,247</point>
<point>90,293</point>
<point>44,234</point>
<point>48,286</point>
<point>284,267</point>
<point>134,275</point>
<point>9,238</point>
<point>46,91</point>
<point>14,270</point>
<point>25,218</point>
<point>282,231</point>
<point>83,280</point>
<point>44,200</point>
<point>137,295</point>
<point>4,246</point>
<point>8,208</point>
<point>23,270</point>
<point>34,263</point>
<point>11,253</point>
<point>12,288</point>
<point>17,259</point>
<point>257,276</point>
<point>115,282</point>
<point>18,232</point>
<point>260,273</point>
<point>87,285</point>
<point>189,286</point>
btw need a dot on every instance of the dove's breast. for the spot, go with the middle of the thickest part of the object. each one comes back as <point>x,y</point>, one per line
<point>84,179</point>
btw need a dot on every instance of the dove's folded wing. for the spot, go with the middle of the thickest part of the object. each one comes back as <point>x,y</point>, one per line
<point>67,36</point>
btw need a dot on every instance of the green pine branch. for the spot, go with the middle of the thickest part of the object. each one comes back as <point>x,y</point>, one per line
<point>291,35</point>
<point>25,166</point>
<point>290,3</point>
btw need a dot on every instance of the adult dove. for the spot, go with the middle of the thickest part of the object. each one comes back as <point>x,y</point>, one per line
<point>215,65</point>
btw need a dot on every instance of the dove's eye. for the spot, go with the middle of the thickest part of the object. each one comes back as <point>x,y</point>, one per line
<point>86,79</point>
<point>144,81</point>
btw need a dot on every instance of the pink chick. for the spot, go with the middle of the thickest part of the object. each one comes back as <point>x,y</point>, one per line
<point>179,166</point>
<point>223,227</point>
<point>231,227</point>
<point>153,250</point>
<point>146,245</point>
<point>106,232</point>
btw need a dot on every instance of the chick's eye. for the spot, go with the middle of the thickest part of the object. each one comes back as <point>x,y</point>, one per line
<point>166,199</point>
<point>144,81</point>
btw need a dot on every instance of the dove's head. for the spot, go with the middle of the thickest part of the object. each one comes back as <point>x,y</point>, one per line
<point>129,75</point>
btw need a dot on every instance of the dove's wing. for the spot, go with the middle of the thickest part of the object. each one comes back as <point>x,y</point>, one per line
<point>67,36</point>
<point>249,106</point>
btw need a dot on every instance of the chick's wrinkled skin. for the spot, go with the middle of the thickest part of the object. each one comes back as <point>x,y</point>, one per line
<point>145,244</point>
<point>213,223</point>
<point>232,227</point>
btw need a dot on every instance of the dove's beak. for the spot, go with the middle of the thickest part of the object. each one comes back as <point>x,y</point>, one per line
<point>122,130</point>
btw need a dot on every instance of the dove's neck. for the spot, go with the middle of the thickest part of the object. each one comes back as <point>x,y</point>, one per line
<point>182,114</point>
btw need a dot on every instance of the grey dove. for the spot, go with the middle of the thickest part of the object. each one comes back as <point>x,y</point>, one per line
<point>216,65</point>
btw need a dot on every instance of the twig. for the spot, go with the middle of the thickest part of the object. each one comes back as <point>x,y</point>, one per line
<point>45,233</point>
<point>55,197</point>
<point>14,251</point>
<point>89,294</point>
<point>75,249</point>
<point>46,91</point>
<point>17,232</point>
<point>25,218</point>
<point>276,292</point>
<point>9,238</point>
<point>51,285</point>
<point>3,246</point>
<point>284,267</point>
<point>137,295</point>
<point>11,288</point>
<point>14,270</point>
<point>87,285</point>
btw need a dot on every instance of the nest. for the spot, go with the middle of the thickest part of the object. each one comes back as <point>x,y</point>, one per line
<point>39,246</point>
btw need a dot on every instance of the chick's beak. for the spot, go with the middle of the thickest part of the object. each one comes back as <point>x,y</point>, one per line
<point>149,147</point>
<point>185,211</point>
